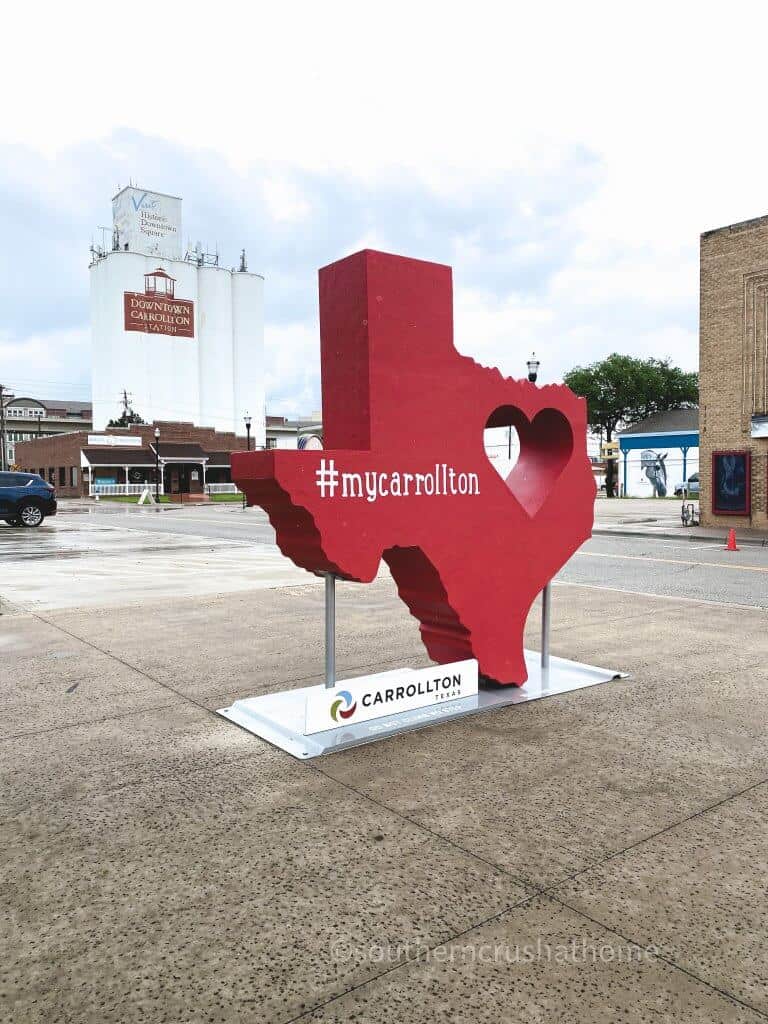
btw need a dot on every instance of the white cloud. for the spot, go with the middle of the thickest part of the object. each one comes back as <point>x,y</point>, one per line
<point>292,355</point>
<point>445,104</point>
<point>499,334</point>
<point>49,363</point>
<point>284,201</point>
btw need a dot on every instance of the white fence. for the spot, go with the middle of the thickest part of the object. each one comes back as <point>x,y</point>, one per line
<point>116,490</point>
<point>222,489</point>
<point>134,490</point>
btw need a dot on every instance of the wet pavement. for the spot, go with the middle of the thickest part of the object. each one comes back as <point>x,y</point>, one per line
<point>109,556</point>
<point>113,558</point>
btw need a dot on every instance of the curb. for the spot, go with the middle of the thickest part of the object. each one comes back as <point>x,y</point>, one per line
<point>759,542</point>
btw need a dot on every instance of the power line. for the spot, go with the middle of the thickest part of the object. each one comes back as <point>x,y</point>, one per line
<point>223,414</point>
<point>18,382</point>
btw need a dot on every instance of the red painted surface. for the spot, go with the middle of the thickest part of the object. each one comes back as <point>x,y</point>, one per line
<point>156,314</point>
<point>399,400</point>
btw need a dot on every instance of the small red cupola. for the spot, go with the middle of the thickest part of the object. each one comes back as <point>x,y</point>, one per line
<point>159,283</point>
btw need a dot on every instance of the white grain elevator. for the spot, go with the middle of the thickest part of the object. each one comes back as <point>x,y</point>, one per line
<point>181,334</point>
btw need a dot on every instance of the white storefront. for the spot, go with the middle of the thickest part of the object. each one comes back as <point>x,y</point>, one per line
<point>659,455</point>
<point>183,336</point>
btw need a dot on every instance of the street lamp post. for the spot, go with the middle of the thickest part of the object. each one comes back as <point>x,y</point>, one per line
<point>248,429</point>
<point>533,365</point>
<point>157,465</point>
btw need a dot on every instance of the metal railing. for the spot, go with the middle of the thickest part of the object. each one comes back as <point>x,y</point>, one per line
<point>119,490</point>
<point>222,489</point>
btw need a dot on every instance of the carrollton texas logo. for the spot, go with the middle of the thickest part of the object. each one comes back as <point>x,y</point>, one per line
<point>403,474</point>
<point>350,706</point>
<point>157,310</point>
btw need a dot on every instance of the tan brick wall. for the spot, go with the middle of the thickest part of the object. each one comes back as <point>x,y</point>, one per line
<point>733,343</point>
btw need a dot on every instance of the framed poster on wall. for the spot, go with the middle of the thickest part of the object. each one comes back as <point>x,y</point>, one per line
<point>731,483</point>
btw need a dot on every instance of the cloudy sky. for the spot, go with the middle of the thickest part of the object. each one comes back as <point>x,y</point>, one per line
<point>563,158</point>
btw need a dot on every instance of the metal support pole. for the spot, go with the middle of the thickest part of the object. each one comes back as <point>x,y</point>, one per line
<point>5,396</point>
<point>546,609</point>
<point>330,631</point>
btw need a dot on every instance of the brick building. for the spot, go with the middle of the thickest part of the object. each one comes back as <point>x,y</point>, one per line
<point>25,418</point>
<point>733,341</point>
<point>122,461</point>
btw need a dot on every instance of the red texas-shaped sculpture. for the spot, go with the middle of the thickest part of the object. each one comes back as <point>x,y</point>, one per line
<point>403,474</point>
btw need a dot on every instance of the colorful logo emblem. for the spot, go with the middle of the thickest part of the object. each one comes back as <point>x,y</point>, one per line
<point>337,712</point>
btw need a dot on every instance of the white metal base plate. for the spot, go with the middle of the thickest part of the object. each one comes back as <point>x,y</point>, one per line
<point>279,718</point>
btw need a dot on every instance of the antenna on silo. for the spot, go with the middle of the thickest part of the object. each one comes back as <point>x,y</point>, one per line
<point>243,262</point>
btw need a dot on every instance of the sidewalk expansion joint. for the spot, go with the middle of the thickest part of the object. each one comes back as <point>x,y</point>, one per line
<point>661,956</point>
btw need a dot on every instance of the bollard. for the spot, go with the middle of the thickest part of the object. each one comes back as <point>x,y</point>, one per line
<point>330,631</point>
<point>546,606</point>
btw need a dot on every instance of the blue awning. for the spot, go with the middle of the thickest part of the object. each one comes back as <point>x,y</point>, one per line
<point>631,442</point>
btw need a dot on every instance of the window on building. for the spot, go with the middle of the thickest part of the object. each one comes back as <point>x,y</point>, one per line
<point>62,476</point>
<point>51,475</point>
<point>271,442</point>
<point>73,476</point>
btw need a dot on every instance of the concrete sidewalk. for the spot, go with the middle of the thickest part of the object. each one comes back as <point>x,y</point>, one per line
<point>158,864</point>
<point>660,517</point>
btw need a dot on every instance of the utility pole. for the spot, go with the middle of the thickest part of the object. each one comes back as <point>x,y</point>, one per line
<point>4,397</point>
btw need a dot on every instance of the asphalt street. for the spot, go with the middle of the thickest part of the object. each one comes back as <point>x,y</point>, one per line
<point>672,568</point>
<point>116,555</point>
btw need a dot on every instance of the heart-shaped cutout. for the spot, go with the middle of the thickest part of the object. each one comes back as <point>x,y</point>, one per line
<point>544,446</point>
<point>502,448</point>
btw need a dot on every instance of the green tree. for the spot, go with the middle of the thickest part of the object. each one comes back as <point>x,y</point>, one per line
<point>126,418</point>
<point>622,390</point>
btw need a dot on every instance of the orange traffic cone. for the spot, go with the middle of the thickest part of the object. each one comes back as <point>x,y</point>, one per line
<point>731,545</point>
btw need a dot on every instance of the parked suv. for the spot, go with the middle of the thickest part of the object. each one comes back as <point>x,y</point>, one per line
<point>25,499</point>
<point>691,487</point>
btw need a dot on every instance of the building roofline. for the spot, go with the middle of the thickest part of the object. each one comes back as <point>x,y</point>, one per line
<point>140,188</point>
<point>173,259</point>
<point>662,433</point>
<point>741,225</point>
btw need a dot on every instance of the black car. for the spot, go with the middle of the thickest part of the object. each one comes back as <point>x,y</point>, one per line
<point>25,499</point>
